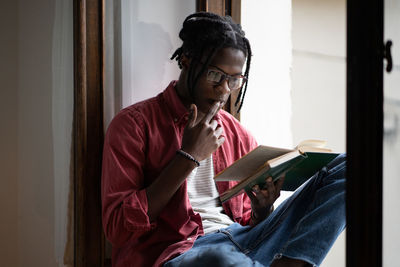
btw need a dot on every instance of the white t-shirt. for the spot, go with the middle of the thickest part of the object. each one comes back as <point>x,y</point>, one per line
<point>204,197</point>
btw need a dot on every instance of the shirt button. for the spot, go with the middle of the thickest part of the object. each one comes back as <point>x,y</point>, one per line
<point>189,238</point>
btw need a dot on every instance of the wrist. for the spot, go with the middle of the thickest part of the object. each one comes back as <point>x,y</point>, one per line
<point>188,156</point>
<point>256,217</point>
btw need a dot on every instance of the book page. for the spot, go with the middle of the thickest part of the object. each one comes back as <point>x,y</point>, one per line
<point>250,163</point>
<point>312,143</point>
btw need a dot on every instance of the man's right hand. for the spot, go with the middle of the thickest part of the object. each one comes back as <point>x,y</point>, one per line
<point>201,139</point>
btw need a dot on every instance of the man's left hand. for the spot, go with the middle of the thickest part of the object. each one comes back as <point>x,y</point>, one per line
<point>262,199</point>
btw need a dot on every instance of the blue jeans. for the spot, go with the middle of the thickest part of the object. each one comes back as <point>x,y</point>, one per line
<point>304,227</point>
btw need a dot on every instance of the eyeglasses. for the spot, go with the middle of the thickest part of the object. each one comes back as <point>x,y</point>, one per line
<point>217,77</point>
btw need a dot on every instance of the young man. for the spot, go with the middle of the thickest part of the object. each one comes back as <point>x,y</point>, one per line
<point>160,204</point>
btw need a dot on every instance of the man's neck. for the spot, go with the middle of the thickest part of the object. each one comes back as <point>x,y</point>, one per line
<point>180,91</point>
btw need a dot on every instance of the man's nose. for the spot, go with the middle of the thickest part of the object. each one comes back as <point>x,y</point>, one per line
<point>223,88</point>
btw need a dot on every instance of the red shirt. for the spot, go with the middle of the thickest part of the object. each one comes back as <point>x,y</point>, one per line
<point>140,142</point>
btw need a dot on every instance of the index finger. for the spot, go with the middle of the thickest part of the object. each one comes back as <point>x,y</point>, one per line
<point>211,113</point>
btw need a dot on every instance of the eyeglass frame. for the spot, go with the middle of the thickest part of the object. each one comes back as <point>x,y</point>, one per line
<point>225,77</point>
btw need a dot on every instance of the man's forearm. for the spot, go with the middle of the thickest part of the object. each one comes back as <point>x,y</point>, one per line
<point>166,184</point>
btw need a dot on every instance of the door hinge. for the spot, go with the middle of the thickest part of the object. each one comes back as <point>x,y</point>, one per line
<point>387,54</point>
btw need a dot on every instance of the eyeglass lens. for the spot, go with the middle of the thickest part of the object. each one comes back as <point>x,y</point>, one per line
<point>218,77</point>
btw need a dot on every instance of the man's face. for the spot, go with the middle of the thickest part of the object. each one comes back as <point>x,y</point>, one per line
<point>228,61</point>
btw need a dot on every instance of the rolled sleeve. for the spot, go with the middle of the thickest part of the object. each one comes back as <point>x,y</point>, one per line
<point>135,212</point>
<point>124,199</point>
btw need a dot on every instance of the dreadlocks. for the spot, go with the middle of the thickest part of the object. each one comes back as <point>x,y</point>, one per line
<point>203,35</point>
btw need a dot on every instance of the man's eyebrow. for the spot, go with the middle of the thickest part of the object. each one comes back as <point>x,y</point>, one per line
<point>236,74</point>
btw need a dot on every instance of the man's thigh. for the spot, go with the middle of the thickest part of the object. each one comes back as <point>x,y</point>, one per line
<point>213,255</point>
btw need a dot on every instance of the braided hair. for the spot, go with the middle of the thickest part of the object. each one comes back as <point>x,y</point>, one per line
<point>203,35</point>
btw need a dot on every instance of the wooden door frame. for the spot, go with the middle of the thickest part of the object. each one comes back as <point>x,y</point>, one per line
<point>88,131</point>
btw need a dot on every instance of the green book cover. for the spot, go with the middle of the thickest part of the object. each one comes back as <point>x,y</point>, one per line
<point>297,170</point>
<point>299,173</point>
<point>276,172</point>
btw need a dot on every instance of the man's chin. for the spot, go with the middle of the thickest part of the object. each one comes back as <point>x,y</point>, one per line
<point>207,107</point>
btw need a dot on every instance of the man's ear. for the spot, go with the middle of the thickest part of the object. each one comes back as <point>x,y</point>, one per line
<point>185,61</point>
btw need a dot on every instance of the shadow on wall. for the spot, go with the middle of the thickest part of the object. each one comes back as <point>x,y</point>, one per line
<point>137,50</point>
<point>151,48</point>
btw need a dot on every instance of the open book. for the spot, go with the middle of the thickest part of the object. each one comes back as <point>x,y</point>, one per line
<point>296,164</point>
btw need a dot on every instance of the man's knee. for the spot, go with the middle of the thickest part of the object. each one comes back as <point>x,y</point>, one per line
<point>340,160</point>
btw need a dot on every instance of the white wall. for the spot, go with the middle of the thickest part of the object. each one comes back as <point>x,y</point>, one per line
<point>319,71</point>
<point>319,82</point>
<point>36,107</point>
<point>267,108</point>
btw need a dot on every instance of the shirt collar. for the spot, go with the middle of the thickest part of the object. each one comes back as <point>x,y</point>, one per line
<point>174,103</point>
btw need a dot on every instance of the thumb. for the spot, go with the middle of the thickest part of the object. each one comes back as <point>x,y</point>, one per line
<point>192,115</point>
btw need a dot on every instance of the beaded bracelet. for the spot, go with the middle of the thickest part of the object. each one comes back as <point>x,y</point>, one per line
<point>188,156</point>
